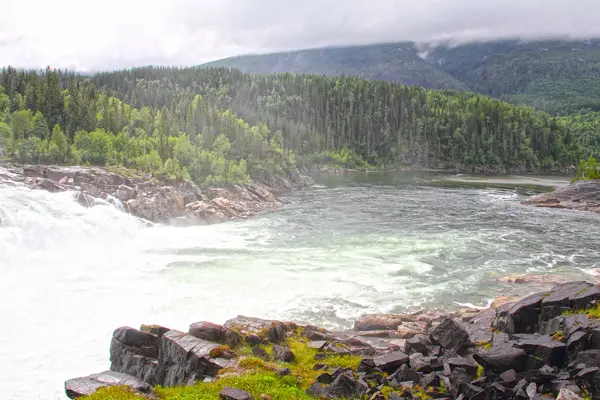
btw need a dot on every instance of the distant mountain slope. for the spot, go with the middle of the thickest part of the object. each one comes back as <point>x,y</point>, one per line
<point>394,62</point>
<point>557,76</point>
<point>545,74</point>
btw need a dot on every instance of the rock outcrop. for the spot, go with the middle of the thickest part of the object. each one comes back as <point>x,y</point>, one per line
<point>174,202</point>
<point>540,347</point>
<point>581,196</point>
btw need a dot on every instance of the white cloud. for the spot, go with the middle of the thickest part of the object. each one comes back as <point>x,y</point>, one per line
<point>121,33</point>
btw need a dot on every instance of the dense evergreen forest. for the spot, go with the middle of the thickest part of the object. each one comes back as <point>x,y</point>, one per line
<point>220,126</point>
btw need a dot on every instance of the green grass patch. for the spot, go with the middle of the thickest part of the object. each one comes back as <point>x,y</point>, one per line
<point>485,345</point>
<point>269,383</point>
<point>114,393</point>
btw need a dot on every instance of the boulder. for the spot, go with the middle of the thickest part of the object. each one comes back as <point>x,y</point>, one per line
<point>589,358</point>
<point>568,295</point>
<point>185,359</point>
<point>135,353</point>
<point>544,349</point>
<point>391,361</point>
<point>344,386</point>
<point>273,331</point>
<point>85,386</point>
<point>523,316</point>
<point>260,353</point>
<point>229,393</point>
<point>566,394</point>
<point>283,354</point>
<point>450,335</point>
<point>501,359</point>
<point>207,331</point>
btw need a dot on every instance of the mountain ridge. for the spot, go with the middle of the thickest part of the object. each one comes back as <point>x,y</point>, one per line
<point>557,76</point>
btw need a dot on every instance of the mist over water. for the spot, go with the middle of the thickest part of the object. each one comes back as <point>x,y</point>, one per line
<point>348,246</point>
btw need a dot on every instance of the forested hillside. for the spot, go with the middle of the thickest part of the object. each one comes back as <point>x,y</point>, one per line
<point>394,62</point>
<point>220,126</point>
<point>555,76</point>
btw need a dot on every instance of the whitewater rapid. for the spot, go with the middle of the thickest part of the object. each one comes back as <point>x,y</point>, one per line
<point>71,275</point>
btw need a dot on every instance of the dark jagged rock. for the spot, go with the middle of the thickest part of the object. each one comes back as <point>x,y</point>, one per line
<point>418,344</point>
<point>578,341</point>
<point>568,295</point>
<point>208,331</point>
<point>271,330</point>
<point>460,362</point>
<point>135,353</point>
<point>450,335</point>
<point>524,315</point>
<point>544,349</point>
<point>390,362</point>
<point>229,393</point>
<point>588,358</point>
<point>503,359</point>
<point>260,352</point>
<point>343,386</point>
<point>185,359</point>
<point>283,354</point>
<point>88,385</point>
<point>539,353</point>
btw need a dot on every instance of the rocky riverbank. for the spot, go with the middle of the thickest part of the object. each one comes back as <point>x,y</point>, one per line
<point>581,196</point>
<point>543,346</point>
<point>173,202</point>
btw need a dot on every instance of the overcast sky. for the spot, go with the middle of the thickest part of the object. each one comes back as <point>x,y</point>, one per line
<point>90,35</point>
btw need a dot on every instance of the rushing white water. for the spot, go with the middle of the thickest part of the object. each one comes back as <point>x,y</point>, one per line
<point>71,275</point>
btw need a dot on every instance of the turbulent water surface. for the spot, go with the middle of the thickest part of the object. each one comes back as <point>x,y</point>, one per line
<point>350,245</point>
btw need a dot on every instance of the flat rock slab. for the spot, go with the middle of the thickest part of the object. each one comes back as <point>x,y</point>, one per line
<point>544,349</point>
<point>391,361</point>
<point>501,359</point>
<point>88,385</point>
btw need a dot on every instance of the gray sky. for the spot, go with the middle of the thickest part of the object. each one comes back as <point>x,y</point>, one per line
<point>111,34</point>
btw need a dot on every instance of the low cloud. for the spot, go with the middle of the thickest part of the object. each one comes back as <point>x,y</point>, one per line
<point>87,35</point>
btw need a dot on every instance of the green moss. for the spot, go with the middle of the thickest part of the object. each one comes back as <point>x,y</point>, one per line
<point>592,312</point>
<point>480,371</point>
<point>256,364</point>
<point>219,351</point>
<point>485,345</point>
<point>559,336</point>
<point>585,394</point>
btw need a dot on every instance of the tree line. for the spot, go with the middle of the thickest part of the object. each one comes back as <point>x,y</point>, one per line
<point>219,126</point>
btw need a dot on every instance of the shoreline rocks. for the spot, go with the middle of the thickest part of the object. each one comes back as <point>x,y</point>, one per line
<point>180,203</point>
<point>580,196</point>
<point>536,348</point>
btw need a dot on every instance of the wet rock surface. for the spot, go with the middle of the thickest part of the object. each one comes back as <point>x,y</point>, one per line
<point>535,348</point>
<point>581,196</point>
<point>174,202</point>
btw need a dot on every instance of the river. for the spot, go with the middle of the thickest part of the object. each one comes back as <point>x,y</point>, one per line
<point>352,244</point>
